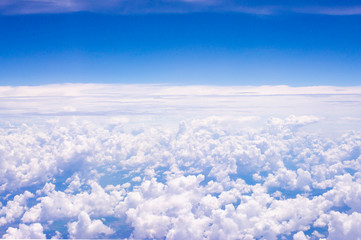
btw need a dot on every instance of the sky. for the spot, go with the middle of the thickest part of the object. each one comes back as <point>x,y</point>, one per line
<point>180,119</point>
<point>301,43</point>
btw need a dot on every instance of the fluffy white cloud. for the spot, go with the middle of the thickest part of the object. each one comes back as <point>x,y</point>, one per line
<point>300,236</point>
<point>87,228</point>
<point>156,210</point>
<point>343,226</point>
<point>15,208</point>
<point>59,205</point>
<point>202,163</point>
<point>32,231</point>
<point>217,177</point>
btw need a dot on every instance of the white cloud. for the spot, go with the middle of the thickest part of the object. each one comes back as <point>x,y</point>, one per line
<point>179,176</point>
<point>344,226</point>
<point>32,231</point>
<point>74,183</point>
<point>335,11</point>
<point>121,100</point>
<point>300,236</point>
<point>60,205</point>
<point>87,228</point>
<point>15,208</point>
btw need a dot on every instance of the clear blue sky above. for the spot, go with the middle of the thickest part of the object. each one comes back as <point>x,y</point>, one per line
<point>180,42</point>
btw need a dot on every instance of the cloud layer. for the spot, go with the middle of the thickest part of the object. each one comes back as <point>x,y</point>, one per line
<point>206,176</point>
<point>162,104</point>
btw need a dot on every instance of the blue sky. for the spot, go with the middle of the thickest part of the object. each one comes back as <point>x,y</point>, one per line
<point>200,155</point>
<point>181,42</point>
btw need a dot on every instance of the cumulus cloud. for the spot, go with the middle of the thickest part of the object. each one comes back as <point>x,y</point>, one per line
<point>14,208</point>
<point>32,231</point>
<point>300,236</point>
<point>55,205</point>
<point>87,228</point>
<point>344,226</point>
<point>185,176</point>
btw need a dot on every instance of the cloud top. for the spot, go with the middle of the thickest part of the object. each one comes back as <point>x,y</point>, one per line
<point>180,162</point>
<point>205,178</point>
<point>174,103</point>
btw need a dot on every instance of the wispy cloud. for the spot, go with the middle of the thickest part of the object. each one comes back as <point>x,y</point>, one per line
<point>256,10</point>
<point>54,6</point>
<point>318,10</point>
<point>165,6</point>
<point>336,11</point>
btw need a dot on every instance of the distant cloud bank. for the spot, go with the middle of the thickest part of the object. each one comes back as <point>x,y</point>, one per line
<point>180,162</point>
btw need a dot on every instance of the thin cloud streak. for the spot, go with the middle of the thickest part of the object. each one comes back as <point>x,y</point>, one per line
<point>124,7</point>
<point>344,11</point>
